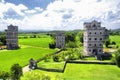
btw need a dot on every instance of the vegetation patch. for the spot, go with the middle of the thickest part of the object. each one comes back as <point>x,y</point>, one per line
<point>79,72</point>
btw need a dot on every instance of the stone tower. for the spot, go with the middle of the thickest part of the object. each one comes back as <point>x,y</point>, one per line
<point>60,40</point>
<point>12,37</point>
<point>94,35</point>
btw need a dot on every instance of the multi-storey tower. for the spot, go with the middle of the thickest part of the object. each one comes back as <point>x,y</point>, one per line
<point>12,37</point>
<point>60,40</point>
<point>94,35</point>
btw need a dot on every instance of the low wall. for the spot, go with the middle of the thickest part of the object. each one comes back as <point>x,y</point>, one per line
<point>91,62</point>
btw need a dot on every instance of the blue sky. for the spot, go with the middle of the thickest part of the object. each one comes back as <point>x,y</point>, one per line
<point>58,14</point>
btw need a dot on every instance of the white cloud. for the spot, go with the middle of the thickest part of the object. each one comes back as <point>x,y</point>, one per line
<point>64,14</point>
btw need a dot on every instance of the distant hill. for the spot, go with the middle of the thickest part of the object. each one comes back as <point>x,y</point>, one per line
<point>116,29</point>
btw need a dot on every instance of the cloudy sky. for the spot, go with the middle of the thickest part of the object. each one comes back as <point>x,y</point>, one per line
<point>58,14</point>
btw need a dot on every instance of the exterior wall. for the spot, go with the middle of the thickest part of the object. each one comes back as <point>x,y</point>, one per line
<point>12,37</point>
<point>60,40</point>
<point>94,35</point>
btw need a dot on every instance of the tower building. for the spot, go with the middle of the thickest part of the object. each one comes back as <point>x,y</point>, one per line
<point>94,36</point>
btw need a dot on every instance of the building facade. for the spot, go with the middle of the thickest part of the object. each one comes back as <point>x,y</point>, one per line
<point>94,36</point>
<point>60,40</point>
<point>12,37</point>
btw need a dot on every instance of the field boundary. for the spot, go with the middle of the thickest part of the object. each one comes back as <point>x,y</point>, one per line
<point>75,62</point>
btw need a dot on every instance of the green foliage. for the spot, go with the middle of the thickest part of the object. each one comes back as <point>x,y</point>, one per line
<point>116,39</point>
<point>71,44</point>
<point>79,72</point>
<point>80,35</point>
<point>16,72</point>
<point>1,43</point>
<point>35,76</point>
<point>107,42</point>
<point>56,58</point>
<point>117,57</point>
<point>3,39</point>
<point>52,45</point>
<point>4,75</point>
<point>115,33</point>
<point>70,36</point>
<point>113,43</point>
<point>30,48</point>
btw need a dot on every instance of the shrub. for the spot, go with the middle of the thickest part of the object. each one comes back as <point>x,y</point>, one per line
<point>117,57</point>
<point>71,44</point>
<point>52,45</point>
<point>56,58</point>
<point>4,75</point>
<point>16,72</point>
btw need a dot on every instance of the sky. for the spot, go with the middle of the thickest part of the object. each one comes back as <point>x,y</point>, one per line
<point>58,14</point>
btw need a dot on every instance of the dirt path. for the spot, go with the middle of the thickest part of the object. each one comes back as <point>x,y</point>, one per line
<point>26,69</point>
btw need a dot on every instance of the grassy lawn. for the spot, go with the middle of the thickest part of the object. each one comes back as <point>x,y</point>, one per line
<point>51,65</point>
<point>21,56</point>
<point>39,42</point>
<point>80,72</point>
<point>30,48</point>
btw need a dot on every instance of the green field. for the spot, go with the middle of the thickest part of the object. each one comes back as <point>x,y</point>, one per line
<point>37,42</point>
<point>116,39</point>
<point>79,72</point>
<point>30,48</point>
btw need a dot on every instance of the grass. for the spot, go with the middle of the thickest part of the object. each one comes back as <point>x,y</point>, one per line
<point>51,65</point>
<point>39,42</point>
<point>30,48</point>
<point>21,56</point>
<point>81,72</point>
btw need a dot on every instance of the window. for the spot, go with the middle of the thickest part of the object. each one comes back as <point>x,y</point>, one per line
<point>94,25</point>
<point>95,32</point>
<point>89,32</point>
<point>100,44</point>
<point>100,32</point>
<point>89,44</point>
<point>89,38</point>
<point>100,38</point>
<point>99,50</point>
<point>95,38</point>
<point>94,44</point>
<point>89,50</point>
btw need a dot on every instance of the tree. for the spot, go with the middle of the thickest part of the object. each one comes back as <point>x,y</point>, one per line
<point>52,45</point>
<point>113,43</point>
<point>3,39</point>
<point>71,44</point>
<point>117,57</point>
<point>80,35</point>
<point>56,58</point>
<point>16,72</point>
<point>1,43</point>
<point>81,39</point>
<point>4,75</point>
<point>69,36</point>
<point>107,42</point>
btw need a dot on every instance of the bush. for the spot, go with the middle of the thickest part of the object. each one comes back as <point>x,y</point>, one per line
<point>117,60</point>
<point>71,45</point>
<point>52,45</point>
<point>4,75</point>
<point>16,72</point>
<point>56,58</point>
<point>117,57</point>
<point>1,43</point>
